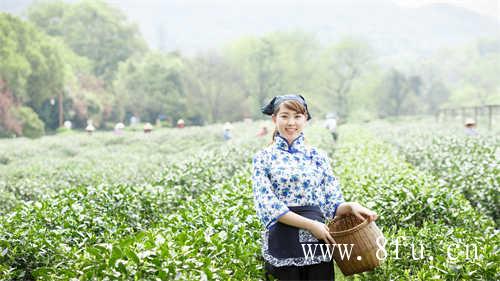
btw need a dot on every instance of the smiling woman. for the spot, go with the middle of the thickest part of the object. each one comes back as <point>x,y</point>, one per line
<point>295,192</point>
<point>290,119</point>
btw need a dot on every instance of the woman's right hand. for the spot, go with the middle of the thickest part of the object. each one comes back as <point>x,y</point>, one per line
<point>321,231</point>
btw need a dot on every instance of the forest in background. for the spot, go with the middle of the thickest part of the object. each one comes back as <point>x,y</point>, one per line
<point>90,57</point>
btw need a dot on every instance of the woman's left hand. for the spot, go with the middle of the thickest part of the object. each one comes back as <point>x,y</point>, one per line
<point>357,210</point>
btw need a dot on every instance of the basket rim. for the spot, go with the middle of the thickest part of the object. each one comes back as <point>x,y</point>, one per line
<point>347,231</point>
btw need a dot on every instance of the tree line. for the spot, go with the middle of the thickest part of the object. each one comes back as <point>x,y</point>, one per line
<point>89,57</point>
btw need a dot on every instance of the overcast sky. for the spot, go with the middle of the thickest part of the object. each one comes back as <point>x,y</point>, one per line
<point>489,8</point>
<point>177,20</point>
<point>486,7</point>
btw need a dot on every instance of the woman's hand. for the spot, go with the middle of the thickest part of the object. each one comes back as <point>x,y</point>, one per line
<point>320,231</point>
<point>357,210</point>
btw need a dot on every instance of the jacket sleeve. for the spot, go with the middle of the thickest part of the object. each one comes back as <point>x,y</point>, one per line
<point>269,208</point>
<point>331,188</point>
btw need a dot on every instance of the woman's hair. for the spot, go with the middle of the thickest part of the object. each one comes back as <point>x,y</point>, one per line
<point>291,105</point>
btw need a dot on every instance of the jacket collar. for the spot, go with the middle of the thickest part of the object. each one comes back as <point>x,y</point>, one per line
<point>297,144</point>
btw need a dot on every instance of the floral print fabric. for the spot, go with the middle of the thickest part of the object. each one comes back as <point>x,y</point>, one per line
<point>293,175</point>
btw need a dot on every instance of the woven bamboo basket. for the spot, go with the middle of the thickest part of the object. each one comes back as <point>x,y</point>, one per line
<point>363,235</point>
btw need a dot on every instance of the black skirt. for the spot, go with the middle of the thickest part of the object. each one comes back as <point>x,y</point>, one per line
<point>320,271</point>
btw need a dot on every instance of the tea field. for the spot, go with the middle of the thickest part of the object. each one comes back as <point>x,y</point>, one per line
<point>177,204</point>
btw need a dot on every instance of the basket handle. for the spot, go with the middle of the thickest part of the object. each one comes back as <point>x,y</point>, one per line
<point>347,231</point>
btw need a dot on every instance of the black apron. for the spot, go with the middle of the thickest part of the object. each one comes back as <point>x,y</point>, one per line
<point>284,239</point>
<point>284,242</point>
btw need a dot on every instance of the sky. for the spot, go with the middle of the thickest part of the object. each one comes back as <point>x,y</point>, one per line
<point>486,7</point>
<point>232,18</point>
<point>489,8</point>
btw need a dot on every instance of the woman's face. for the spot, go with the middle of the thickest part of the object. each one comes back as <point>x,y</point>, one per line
<point>289,123</point>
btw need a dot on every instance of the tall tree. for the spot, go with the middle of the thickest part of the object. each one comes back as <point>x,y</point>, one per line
<point>31,68</point>
<point>428,84</point>
<point>344,63</point>
<point>398,95</point>
<point>151,85</point>
<point>470,72</point>
<point>217,88</point>
<point>92,29</point>
<point>260,66</point>
<point>267,71</point>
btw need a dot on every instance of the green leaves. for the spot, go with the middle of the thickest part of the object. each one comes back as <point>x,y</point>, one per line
<point>158,75</point>
<point>93,30</point>
<point>190,215</point>
<point>100,229</point>
<point>427,202</point>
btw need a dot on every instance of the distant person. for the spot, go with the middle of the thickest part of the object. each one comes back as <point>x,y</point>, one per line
<point>180,124</point>
<point>331,125</point>
<point>470,127</point>
<point>227,131</point>
<point>134,120</point>
<point>160,119</point>
<point>262,132</point>
<point>68,124</point>
<point>119,128</point>
<point>90,127</point>
<point>148,128</point>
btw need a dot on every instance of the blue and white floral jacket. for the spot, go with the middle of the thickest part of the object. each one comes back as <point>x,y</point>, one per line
<point>292,175</point>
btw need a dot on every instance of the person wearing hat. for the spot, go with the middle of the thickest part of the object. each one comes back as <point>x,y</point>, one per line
<point>180,123</point>
<point>262,132</point>
<point>227,131</point>
<point>470,127</point>
<point>90,127</point>
<point>295,192</point>
<point>331,125</point>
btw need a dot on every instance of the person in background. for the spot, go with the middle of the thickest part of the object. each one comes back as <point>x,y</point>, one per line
<point>227,131</point>
<point>148,128</point>
<point>68,124</point>
<point>119,128</point>
<point>90,127</point>
<point>262,132</point>
<point>331,125</point>
<point>134,120</point>
<point>180,124</point>
<point>470,127</point>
